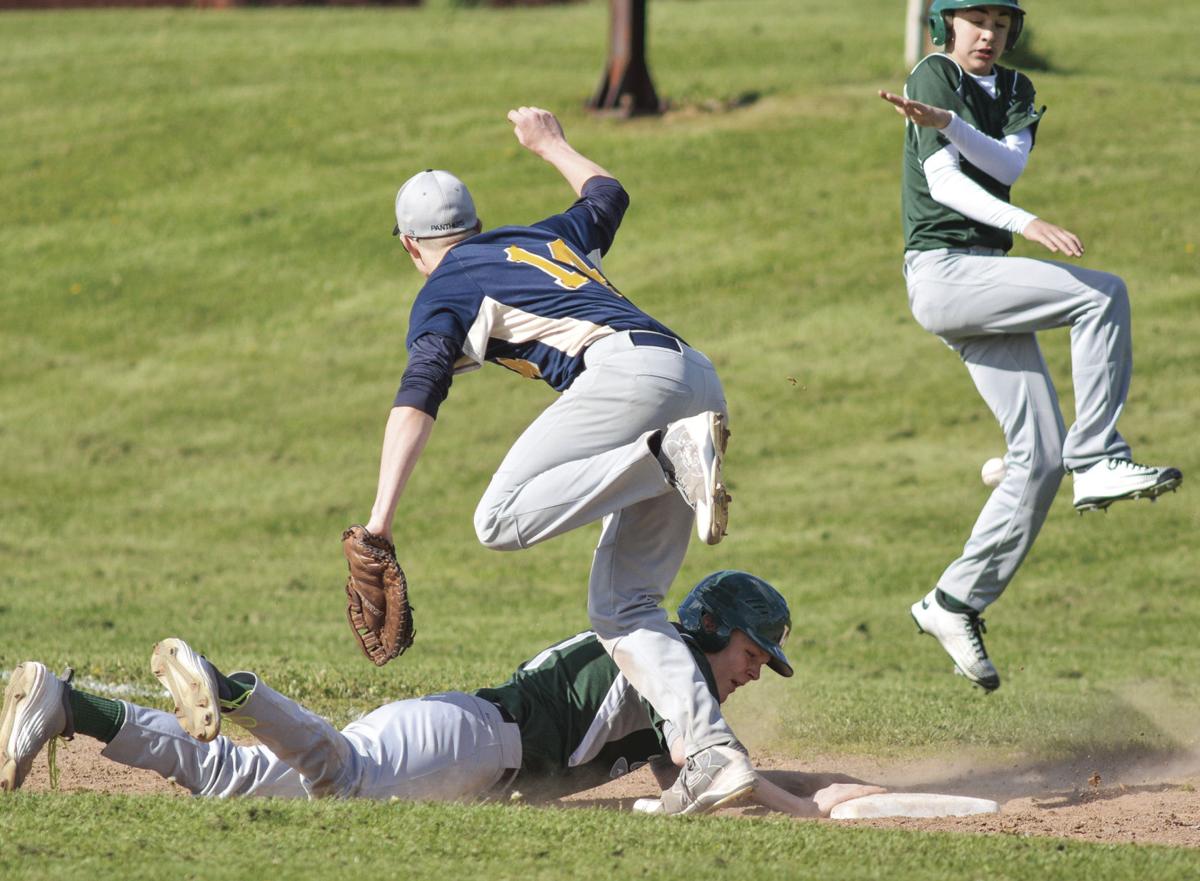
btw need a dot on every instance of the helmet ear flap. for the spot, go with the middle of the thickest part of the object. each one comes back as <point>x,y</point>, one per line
<point>938,32</point>
<point>1014,32</point>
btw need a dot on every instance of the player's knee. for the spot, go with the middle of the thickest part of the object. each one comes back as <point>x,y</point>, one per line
<point>486,529</point>
<point>1046,470</point>
<point>1041,466</point>
<point>490,528</point>
<point>1115,296</point>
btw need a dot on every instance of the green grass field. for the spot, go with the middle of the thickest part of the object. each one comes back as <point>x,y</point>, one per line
<point>202,328</point>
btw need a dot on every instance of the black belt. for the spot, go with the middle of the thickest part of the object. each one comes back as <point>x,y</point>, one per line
<point>509,774</point>
<point>656,339</point>
<point>504,713</point>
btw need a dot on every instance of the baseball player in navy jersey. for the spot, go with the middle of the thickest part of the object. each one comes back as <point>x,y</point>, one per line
<point>567,718</point>
<point>970,127</point>
<point>635,440</point>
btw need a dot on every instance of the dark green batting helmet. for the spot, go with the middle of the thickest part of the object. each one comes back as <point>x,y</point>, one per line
<point>939,32</point>
<point>738,601</point>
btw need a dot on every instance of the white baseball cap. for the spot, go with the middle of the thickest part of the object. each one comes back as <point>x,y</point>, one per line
<point>432,204</point>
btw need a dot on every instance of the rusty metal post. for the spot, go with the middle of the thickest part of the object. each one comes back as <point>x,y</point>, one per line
<point>626,88</point>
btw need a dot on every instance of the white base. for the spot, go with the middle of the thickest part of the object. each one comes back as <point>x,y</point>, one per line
<point>648,806</point>
<point>912,804</point>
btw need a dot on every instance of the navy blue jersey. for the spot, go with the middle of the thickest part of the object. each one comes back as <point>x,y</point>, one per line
<point>531,299</point>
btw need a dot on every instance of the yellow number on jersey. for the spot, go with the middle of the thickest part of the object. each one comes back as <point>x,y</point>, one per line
<point>563,277</point>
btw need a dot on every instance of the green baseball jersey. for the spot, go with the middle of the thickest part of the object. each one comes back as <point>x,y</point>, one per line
<point>577,710</point>
<point>938,80</point>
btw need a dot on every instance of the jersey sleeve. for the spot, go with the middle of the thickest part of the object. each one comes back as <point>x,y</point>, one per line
<point>430,370</point>
<point>591,223</point>
<point>1023,112</point>
<point>934,81</point>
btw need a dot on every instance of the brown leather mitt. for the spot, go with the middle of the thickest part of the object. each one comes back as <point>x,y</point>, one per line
<point>376,596</point>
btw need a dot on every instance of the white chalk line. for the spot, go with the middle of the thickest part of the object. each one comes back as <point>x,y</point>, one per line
<point>108,689</point>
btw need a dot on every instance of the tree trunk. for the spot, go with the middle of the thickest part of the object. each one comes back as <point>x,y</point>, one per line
<point>626,88</point>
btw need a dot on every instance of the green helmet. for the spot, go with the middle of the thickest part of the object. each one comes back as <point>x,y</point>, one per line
<point>738,601</point>
<point>939,33</point>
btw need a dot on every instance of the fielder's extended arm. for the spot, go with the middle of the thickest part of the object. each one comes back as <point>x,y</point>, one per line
<point>404,440</point>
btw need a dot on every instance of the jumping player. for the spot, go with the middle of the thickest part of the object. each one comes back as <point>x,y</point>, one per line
<point>970,128</point>
<point>567,714</point>
<point>636,439</point>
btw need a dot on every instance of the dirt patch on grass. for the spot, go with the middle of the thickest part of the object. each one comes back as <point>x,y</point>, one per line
<point>1116,798</point>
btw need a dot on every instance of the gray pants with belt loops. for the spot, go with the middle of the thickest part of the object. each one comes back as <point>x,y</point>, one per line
<point>587,458</point>
<point>988,308</point>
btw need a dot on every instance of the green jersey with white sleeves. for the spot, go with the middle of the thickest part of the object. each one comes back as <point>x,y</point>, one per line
<point>575,708</point>
<point>939,80</point>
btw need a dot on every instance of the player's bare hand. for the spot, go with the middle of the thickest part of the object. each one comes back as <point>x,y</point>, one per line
<point>537,130</point>
<point>1054,238</point>
<point>921,114</point>
<point>835,793</point>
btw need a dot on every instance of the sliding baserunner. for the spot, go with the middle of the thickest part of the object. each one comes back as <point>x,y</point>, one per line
<point>568,714</point>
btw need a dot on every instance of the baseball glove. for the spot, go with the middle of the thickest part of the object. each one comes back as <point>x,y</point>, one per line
<point>376,596</point>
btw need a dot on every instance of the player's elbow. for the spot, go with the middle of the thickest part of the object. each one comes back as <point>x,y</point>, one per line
<point>1010,173</point>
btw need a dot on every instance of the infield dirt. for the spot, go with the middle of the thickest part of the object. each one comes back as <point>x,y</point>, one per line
<point>1130,799</point>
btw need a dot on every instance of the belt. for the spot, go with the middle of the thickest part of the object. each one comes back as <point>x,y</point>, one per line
<point>976,252</point>
<point>504,713</point>
<point>508,775</point>
<point>656,339</point>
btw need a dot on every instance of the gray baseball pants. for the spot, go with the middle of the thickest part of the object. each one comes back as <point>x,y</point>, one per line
<point>436,748</point>
<point>587,458</point>
<point>988,308</point>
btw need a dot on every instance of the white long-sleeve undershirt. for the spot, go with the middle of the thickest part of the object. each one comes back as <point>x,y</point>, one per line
<point>1003,160</point>
<point>949,186</point>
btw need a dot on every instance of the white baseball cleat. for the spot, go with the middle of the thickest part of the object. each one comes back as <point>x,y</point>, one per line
<point>961,635</point>
<point>713,777</point>
<point>192,682</point>
<point>694,451</point>
<point>35,711</point>
<point>1115,480</point>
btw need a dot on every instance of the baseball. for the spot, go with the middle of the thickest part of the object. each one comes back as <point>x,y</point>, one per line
<point>993,472</point>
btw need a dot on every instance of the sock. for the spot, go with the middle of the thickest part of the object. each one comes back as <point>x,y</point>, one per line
<point>950,604</point>
<point>655,444</point>
<point>233,691</point>
<point>97,717</point>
